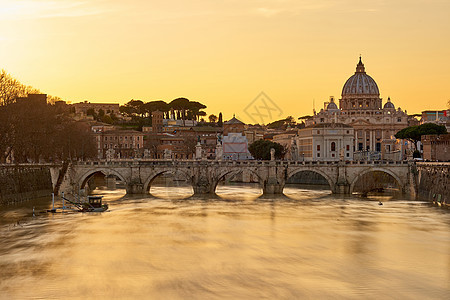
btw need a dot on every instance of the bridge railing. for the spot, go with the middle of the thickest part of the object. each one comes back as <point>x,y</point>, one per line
<point>230,163</point>
<point>433,164</point>
<point>31,165</point>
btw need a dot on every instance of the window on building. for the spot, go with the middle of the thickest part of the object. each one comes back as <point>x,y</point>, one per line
<point>332,154</point>
<point>322,120</point>
<point>378,134</point>
<point>378,147</point>
<point>333,146</point>
<point>318,154</point>
<point>318,147</point>
<point>348,154</point>
<point>348,147</point>
<point>360,146</point>
<point>399,119</point>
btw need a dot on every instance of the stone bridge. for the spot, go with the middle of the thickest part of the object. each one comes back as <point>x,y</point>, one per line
<point>204,175</point>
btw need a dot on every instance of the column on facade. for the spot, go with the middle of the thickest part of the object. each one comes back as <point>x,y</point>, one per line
<point>371,133</point>
<point>364,140</point>
<point>339,143</point>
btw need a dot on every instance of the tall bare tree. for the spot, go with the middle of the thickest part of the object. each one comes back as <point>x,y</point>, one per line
<point>11,89</point>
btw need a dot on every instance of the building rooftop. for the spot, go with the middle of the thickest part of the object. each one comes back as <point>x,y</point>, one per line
<point>234,121</point>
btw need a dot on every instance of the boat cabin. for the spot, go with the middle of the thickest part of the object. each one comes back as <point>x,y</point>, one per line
<point>95,201</point>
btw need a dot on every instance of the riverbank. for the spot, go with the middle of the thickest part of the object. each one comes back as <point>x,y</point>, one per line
<point>434,182</point>
<point>23,183</point>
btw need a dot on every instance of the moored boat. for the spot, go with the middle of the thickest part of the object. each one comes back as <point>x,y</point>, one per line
<point>94,204</point>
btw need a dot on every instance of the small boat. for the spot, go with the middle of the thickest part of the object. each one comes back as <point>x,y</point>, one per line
<point>94,204</point>
<point>90,204</point>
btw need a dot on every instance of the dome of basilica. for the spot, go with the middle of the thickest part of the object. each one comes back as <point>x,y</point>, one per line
<point>389,104</point>
<point>360,84</point>
<point>331,106</point>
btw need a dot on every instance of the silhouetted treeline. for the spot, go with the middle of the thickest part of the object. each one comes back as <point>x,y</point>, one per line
<point>11,89</point>
<point>178,109</point>
<point>34,131</point>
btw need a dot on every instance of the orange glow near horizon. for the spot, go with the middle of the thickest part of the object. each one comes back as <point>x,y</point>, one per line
<point>225,53</point>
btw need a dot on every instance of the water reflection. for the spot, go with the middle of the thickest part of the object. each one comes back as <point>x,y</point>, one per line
<point>238,191</point>
<point>304,244</point>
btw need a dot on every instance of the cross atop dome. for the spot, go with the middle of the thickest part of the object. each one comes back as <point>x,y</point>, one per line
<point>360,66</point>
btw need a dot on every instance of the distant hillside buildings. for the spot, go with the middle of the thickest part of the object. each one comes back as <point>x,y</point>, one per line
<point>84,107</point>
<point>361,127</point>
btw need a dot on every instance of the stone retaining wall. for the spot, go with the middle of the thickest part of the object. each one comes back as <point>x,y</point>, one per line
<point>434,182</point>
<point>22,183</point>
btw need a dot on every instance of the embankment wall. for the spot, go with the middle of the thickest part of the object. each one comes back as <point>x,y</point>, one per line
<point>434,181</point>
<point>22,183</point>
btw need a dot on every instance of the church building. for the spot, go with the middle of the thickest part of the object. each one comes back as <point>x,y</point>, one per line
<point>362,108</point>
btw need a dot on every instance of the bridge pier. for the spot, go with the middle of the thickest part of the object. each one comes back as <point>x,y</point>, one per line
<point>342,188</point>
<point>135,188</point>
<point>203,185</point>
<point>342,185</point>
<point>272,186</point>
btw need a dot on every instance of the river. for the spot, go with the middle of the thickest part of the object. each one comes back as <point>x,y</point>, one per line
<point>306,244</point>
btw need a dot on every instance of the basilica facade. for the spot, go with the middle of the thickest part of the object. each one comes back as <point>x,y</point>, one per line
<point>362,108</point>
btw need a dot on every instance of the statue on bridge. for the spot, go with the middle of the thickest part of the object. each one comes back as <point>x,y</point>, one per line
<point>110,154</point>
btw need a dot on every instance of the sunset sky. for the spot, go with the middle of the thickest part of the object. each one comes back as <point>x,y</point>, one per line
<point>225,53</point>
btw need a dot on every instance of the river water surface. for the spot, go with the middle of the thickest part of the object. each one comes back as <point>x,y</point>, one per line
<point>307,244</point>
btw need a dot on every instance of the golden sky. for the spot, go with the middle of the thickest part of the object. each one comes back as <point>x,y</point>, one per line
<point>225,53</point>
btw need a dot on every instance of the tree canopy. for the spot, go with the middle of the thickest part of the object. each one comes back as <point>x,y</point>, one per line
<point>282,124</point>
<point>261,149</point>
<point>33,132</point>
<point>11,89</point>
<point>39,132</point>
<point>415,133</point>
<point>179,108</point>
<point>212,118</point>
<point>220,121</point>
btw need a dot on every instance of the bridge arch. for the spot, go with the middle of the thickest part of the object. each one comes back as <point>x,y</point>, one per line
<point>233,172</point>
<point>371,170</point>
<point>81,182</point>
<point>295,171</point>
<point>155,174</point>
